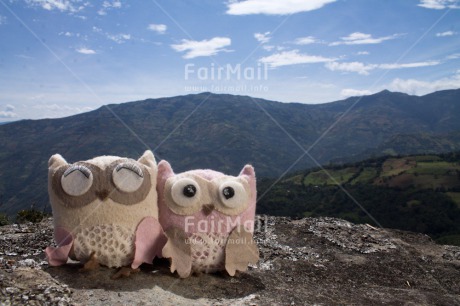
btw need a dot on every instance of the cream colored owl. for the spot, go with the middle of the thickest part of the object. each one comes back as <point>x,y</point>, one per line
<point>105,210</point>
<point>208,218</point>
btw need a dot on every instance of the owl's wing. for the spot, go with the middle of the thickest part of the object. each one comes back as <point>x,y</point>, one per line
<point>57,256</point>
<point>149,242</point>
<point>179,251</point>
<point>240,250</point>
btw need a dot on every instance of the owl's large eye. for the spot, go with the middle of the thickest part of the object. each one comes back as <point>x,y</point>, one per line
<point>128,177</point>
<point>185,192</point>
<point>232,194</point>
<point>76,180</point>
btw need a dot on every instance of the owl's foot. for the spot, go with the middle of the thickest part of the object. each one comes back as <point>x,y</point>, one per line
<point>91,264</point>
<point>178,251</point>
<point>241,250</point>
<point>125,272</point>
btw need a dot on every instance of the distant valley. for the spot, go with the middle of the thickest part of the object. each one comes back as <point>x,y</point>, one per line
<point>420,193</point>
<point>224,132</point>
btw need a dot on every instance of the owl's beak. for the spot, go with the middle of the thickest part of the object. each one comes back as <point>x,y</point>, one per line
<point>207,209</point>
<point>103,194</point>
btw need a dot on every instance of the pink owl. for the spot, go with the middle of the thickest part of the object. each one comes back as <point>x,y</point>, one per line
<point>208,218</point>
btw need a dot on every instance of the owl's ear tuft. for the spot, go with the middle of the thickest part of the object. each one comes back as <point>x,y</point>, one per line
<point>56,161</point>
<point>147,159</point>
<point>164,169</point>
<point>249,171</point>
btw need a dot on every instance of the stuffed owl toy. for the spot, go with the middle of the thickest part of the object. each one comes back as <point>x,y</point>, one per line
<point>105,211</point>
<point>208,219</point>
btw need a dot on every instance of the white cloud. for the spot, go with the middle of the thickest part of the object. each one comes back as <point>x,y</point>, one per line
<point>209,47</point>
<point>292,58</point>
<point>69,34</point>
<point>417,87</point>
<point>453,56</point>
<point>274,7</point>
<point>71,6</point>
<point>85,51</point>
<point>119,38</point>
<point>159,28</point>
<point>364,69</point>
<point>5,114</point>
<point>262,37</point>
<point>350,67</point>
<point>439,4</point>
<point>444,34</point>
<point>363,53</point>
<point>9,108</point>
<point>2,20</point>
<point>268,47</point>
<point>8,112</point>
<point>408,65</point>
<point>62,109</point>
<point>108,5</point>
<point>113,4</point>
<point>348,92</point>
<point>305,40</point>
<point>358,38</point>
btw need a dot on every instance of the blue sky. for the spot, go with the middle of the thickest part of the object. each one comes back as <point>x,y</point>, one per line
<point>61,57</point>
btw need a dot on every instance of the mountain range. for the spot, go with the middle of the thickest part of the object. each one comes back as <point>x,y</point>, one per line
<point>223,132</point>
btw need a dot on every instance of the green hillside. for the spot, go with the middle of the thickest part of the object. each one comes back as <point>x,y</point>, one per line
<point>421,172</point>
<point>418,193</point>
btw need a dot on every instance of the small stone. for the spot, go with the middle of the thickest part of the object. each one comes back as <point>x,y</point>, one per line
<point>12,290</point>
<point>27,263</point>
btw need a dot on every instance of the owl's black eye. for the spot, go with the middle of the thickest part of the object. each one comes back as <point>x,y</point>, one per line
<point>233,194</point>
<point>189,191</point>
<point>185,192</point>
<point>228,192</point>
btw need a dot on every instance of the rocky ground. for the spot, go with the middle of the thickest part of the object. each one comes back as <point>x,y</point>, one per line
<point>303,262</point>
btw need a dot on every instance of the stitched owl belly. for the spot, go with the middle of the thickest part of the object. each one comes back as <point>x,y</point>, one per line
<point>113,244</point>
<point>208,252</point>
